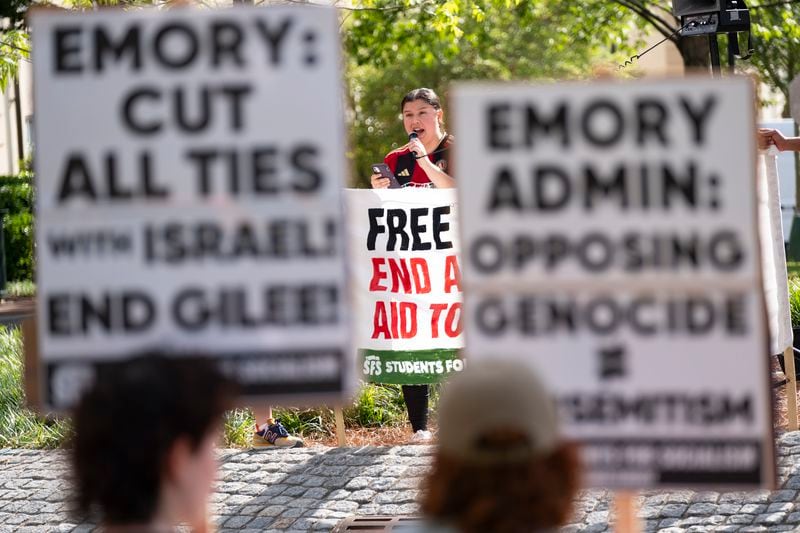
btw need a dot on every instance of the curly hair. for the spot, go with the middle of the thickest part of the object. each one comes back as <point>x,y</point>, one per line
<point>519,495</point>
<point>128,421</point>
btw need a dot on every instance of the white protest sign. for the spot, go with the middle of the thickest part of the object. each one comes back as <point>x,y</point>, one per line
<point>773,253</point>
<point>189,171</point>
<point>406,279</point>
<point>610,239</point>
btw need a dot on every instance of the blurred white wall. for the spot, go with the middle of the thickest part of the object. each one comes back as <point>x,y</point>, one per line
<point>10,149</point>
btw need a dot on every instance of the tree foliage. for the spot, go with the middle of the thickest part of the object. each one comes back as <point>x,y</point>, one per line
<point>395,46</point>
<point>14,11</point>
<point>16,199</point>
<point>776,44</point>
<point>14,47</point>
<point>14,40</point>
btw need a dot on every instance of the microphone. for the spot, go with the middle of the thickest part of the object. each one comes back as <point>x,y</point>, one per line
<point>411,136</point>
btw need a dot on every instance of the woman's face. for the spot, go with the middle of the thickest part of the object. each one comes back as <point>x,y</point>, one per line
<point>193,479</point>
<point>422,118</point>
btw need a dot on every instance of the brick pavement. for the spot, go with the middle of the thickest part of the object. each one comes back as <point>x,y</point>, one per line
<point>14,311</point>
<point>314,488</point>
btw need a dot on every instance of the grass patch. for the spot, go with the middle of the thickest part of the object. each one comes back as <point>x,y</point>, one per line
<point>238,430</point>
<point>20,289</point>
<point>793,269</point>
<point>376,406</point>
<point>373,406</point>
<point>20,427</point>
<point>794,300</point>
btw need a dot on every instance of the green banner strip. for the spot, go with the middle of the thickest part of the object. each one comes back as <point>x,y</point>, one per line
<point>410,367</point>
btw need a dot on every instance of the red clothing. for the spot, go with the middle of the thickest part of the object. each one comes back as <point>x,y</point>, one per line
<point>418,175</point>
<point>405,168</point>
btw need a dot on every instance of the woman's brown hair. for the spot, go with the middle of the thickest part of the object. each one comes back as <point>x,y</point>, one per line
<point>509,496</point>
<point>424,94</point>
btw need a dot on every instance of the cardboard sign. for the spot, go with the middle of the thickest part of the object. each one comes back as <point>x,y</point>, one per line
<point>405,272</point>
<point>611,241</point>
<point>189,172</point>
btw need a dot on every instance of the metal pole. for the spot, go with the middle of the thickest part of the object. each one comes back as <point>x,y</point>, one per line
<point>732,46</point>
<point>713,46</point>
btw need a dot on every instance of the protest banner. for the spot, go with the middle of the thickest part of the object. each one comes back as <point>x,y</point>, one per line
<point>189,173</point>
<point>406,279</point>
<point>611,241</point>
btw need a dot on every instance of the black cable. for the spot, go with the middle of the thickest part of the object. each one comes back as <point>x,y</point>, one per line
<point>434,152</point>
<point>636,57</point>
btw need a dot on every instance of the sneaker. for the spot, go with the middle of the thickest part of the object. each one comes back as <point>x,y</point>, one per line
<point>274,434</point>
<point>421,435</point>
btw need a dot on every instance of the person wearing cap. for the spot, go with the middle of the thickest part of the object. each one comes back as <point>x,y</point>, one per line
<point>501,464</point>
<point>422,162</point>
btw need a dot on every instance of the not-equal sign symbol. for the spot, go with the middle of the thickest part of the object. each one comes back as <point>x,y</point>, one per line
<point>612,362</point>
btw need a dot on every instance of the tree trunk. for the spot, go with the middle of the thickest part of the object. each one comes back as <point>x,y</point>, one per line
<point>695,53</point>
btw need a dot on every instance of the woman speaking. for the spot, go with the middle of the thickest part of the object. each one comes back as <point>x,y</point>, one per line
<point>422,162</point>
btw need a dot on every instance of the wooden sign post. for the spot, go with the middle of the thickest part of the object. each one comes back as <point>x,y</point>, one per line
<point>30,348</point>
<point>626,509</point>
<point>788,356</point>
<point>791,389</point>
<point>341,439</point>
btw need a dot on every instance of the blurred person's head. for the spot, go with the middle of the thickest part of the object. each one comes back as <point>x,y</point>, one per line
<point>145,436</point>
<point>501,464</point>
<point>422,114</point>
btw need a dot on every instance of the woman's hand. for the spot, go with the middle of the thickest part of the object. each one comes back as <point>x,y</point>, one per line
<point>379,182</point>
<point>416,146</point>
<point>767,137</point>
<point>763,139</point>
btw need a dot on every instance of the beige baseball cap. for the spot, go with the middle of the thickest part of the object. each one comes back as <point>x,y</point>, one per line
<point>491,395</point>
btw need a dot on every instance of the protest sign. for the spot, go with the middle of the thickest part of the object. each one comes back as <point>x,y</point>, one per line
<point>189,172</point>
<point>406,280</point>
<point>611,241</point>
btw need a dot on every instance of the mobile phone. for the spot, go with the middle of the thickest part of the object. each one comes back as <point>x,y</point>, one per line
<point>386,172</point>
